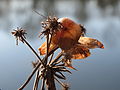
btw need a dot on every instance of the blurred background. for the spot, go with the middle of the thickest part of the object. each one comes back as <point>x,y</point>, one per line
<point>101,18</point>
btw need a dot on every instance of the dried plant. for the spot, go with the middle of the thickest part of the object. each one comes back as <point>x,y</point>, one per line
<point>60,33</point>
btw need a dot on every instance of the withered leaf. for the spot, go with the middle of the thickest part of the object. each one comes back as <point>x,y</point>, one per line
<point>90,43</point>
<point>60,76</point>
<point>59,69</point>
<point>78,52</point>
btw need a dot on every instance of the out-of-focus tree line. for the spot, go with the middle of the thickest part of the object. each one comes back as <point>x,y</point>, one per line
<point>19,13</point>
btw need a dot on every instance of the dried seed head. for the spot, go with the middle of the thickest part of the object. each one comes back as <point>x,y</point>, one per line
<point>51,25</point>
<point>19,34</point>
<point>34,63</point>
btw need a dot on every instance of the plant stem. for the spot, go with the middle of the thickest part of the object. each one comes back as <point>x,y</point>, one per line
<point>43,84</point>
<point>33,50</point>
<point>50,82</point>
<point>29,78</point>
<point>51,58</point>
<point>55,60</point>
<point>35,86</point>
<point>47,50</point>
<point>60,82</point>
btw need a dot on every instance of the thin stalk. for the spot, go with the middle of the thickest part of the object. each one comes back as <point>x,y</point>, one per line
<point>58,62</point>
<point>49,46</point>
<point>59,82</point>
<point>47,49</point>
<point>35,86</point>
<point>52,51</point>
<point>51,58</point>
<point>49,39</point>
<point>33,51</point>
<point>30,76</point>
<point>43,84</point>
<point>53,61</point>
<point>40,14</point>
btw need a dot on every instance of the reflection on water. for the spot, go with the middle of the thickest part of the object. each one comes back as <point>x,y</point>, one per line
<point>102,21</point>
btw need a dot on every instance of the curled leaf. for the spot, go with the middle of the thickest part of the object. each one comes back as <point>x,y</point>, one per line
<point>90,43</point>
